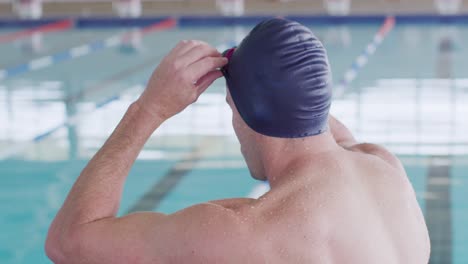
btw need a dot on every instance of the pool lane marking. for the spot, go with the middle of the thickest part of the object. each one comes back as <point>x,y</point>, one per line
<point>83,50</point>
<point>438,211</point>
<point>156,194</point>
<point>349,76</point>
<point>362,60</point>
<point>58,26</point>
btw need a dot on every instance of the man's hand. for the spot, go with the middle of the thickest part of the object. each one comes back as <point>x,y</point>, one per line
<point>183,75</point>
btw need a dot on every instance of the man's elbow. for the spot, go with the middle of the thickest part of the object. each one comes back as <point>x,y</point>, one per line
<point>53,250</point>
<point>60,248</point>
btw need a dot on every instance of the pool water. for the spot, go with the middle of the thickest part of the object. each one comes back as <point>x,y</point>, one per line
<point>411,97</point>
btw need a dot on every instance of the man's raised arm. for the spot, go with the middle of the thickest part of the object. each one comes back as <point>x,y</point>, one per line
<point>92,204</point>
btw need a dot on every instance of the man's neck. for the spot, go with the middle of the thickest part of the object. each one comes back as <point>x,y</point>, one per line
<point>285,161</point>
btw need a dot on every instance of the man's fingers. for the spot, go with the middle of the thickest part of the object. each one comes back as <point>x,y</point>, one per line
<point>199,52</point>
<point>185,45</point>
<point>207,80</point>
<point>200,68</point>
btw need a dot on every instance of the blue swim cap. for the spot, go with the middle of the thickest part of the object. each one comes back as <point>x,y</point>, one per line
<point>280,80</point>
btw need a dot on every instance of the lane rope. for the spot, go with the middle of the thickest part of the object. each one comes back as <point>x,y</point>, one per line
<point>47,28</point>
<point>80,51</point>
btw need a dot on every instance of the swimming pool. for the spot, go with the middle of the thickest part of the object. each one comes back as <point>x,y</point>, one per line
<point>63,92</point>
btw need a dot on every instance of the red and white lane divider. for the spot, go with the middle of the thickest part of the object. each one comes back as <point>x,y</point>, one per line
<point>48,28</point>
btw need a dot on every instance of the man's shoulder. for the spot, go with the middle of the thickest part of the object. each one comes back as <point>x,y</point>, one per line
<point>380,152</point>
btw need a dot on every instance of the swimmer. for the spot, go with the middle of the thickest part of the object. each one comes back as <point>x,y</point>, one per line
<point>332,199</point>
